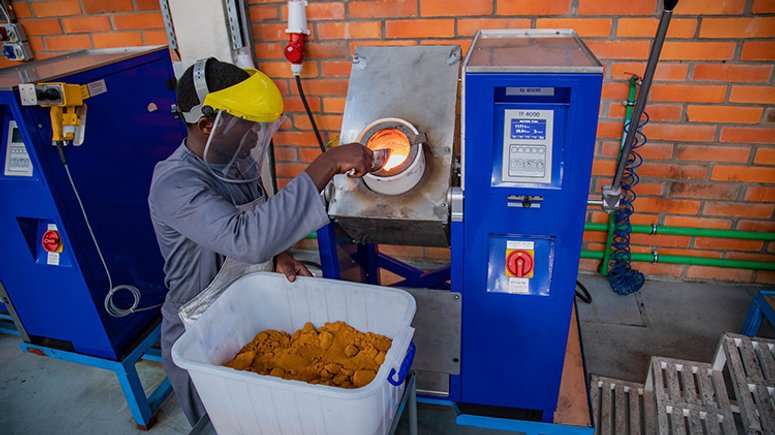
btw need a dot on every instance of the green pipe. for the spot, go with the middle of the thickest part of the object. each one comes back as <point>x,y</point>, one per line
<point>603,269</point>
<point>675,231</point>
<point>694,261</point>
<point>689,231</point>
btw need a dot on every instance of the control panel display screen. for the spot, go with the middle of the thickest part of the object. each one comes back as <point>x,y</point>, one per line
<point>17,160</point>
<point>528,129</point>
<point>527,146</point>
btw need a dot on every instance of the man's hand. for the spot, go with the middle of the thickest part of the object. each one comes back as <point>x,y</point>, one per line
<point>340,160</point>
<point>286,264</point>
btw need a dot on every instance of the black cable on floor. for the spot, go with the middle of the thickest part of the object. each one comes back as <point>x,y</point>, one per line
<point>582,293</point>
<point>309,114</point>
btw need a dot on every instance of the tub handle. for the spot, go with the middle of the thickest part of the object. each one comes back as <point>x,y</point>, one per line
<point>406,365</point>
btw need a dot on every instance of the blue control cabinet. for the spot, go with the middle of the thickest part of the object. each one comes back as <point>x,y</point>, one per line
<point>57,297</point>
<point>531,101</point>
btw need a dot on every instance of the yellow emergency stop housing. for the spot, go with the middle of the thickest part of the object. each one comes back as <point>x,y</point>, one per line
<point>68,111</point>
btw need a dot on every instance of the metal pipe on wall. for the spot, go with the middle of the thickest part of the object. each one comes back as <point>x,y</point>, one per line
<point>655,257</point>
<point>689,231</point>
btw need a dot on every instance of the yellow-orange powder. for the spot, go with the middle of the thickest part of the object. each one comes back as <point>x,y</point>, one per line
<point>337,355</point>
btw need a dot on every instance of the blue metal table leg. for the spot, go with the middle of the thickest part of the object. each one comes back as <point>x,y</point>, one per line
<point>760,308</point>
<point>135,395</point>
<point>753,320</point>
<point>152,354</point>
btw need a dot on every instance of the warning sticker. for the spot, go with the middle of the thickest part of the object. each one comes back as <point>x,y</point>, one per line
<point>520,286</point>
<point>96,88</point>
<point>53,258</point>
<point>519,244</point>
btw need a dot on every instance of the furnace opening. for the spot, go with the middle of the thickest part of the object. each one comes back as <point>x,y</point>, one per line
<point>406,162</point>
<point>394,140</point>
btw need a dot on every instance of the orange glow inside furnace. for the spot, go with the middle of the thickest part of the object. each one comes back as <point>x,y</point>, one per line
<point>393,140</point>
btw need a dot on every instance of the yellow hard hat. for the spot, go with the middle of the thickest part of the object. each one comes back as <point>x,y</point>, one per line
<point>256,98</point>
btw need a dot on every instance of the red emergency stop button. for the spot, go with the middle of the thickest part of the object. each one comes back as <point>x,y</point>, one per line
<point>52,241</point>
<point>519,263</point>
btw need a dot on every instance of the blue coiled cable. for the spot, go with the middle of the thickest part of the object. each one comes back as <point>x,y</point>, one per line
<point>623,279</point>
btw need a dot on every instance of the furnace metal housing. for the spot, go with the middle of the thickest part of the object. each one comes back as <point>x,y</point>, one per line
<point>419,85</point>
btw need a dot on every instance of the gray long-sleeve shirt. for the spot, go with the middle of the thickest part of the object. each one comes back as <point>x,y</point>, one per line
<point>198,225</point>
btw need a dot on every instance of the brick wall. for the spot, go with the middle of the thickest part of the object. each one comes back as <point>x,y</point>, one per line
<point>55,27</point>
<point>710,161</point>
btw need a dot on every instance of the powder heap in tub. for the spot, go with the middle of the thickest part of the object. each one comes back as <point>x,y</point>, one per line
<point>337,354</point>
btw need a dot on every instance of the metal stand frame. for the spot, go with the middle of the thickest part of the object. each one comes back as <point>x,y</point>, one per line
<point>367,256</point>
<point>143,407</point>
<point>760,308</point>
<point>507,424</point>
<point>7,326</point>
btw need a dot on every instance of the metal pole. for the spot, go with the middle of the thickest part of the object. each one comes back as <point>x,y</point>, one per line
<point>413,406</point>
<point>603,268</point>
<point>640,103</point>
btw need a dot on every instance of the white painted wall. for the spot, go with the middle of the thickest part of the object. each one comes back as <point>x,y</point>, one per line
<point>202,30</point>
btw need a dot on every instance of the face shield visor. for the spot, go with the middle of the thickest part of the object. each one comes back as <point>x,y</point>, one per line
<point>236,147</point>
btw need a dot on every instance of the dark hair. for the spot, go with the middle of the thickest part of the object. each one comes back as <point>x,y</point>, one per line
<point>219,75</point>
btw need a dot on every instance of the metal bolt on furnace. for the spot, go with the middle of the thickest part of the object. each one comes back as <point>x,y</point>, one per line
<point>509,200</point>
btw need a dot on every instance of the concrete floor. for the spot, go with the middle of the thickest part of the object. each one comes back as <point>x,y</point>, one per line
<point>619,333</point>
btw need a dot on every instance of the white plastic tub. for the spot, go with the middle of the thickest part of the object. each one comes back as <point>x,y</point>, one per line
<point>240,402</point>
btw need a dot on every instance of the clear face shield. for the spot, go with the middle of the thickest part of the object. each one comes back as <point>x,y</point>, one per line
<point>237,147</point>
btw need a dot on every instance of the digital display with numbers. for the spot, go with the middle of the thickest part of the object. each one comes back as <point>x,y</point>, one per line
<point>528,129</point>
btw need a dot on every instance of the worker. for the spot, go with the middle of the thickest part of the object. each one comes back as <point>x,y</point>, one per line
<point>207,202</point>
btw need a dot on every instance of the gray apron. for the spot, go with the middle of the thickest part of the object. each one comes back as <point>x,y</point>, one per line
<point>175,318</point>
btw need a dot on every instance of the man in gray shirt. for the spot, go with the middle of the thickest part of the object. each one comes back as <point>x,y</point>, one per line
<point>207,202</point>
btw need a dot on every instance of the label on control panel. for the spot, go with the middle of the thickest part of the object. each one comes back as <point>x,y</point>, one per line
<point>519,244</point>
<point>52,258</point>
<point>540,91</point>
<point>527,146</point>
<point>17,160</point>
<point>520,286</point>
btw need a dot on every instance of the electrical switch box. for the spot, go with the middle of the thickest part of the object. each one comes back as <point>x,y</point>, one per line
<point>12,32</point>
<point>17,51</point>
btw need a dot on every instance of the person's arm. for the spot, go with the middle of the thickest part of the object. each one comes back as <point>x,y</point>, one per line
<point>188,205</point>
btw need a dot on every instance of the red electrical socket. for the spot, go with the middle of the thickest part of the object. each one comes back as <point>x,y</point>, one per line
<point>294,51</point>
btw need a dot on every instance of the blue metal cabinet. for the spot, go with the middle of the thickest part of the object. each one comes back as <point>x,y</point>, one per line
<point>531,102</point>
<point>58,299</point>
